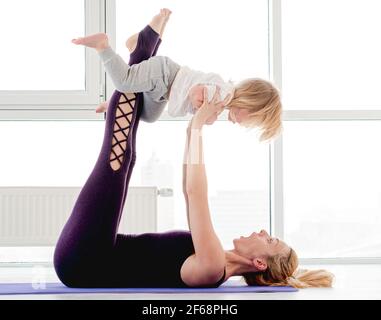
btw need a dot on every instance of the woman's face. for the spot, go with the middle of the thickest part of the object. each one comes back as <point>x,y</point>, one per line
<point>259,245</point>
<point>238,115</point>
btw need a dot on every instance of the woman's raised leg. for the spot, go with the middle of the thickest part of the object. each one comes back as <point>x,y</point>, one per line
<point>88,237</point>
<point>147,44</point>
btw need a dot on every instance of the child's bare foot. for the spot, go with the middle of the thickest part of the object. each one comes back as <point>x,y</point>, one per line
<point>102,107</point>
<point>98,41</point>
<point>157,23</point>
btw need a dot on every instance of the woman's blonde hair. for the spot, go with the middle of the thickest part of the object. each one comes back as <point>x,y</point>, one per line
<point>262,99</point>
<point>281,271</point>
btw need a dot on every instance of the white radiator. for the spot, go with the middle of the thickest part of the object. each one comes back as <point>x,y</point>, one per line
<point>35,216</point>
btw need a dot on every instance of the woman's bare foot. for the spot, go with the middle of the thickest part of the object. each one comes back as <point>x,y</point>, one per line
<point>102,107</point>
<point>98,41</point>
<point>157,23</point>
<point>164,16</point>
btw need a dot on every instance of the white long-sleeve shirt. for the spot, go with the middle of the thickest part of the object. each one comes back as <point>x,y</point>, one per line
<point>179,103</point>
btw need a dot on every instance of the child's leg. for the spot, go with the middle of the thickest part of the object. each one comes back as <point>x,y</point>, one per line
<point>147,44</point>
<point>87,240</point>
<point>152,109</point>
<point>143,46</point>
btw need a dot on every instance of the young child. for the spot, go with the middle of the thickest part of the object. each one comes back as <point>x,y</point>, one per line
<point>251,103</point>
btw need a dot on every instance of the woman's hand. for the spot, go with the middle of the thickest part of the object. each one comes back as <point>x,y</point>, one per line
<point>208,111</point>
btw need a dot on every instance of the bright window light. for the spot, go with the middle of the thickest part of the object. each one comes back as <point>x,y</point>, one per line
<point>37,53</point>
<point>332,193</point>
<point>228,38</point>
<point>331,54</point>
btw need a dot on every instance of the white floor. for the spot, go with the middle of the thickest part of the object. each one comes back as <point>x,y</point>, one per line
<point>352,282</point>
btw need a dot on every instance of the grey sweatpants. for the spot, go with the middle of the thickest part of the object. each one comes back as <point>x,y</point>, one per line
<point>153,77</point>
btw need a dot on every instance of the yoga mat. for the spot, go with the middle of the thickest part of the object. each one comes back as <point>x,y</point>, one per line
<point>59,288</point>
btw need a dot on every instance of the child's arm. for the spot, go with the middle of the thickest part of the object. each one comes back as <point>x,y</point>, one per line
<point>154,75</point>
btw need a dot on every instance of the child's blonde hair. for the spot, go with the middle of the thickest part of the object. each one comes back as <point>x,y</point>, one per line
<point>262,99</point>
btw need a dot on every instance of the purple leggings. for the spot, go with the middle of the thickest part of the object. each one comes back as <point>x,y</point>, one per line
<point>84,251</point>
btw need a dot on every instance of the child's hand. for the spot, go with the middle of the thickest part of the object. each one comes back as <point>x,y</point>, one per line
<point>209,111</point>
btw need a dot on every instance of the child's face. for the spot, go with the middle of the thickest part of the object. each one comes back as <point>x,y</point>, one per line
<point>196,96</point>
<point>238,115</point>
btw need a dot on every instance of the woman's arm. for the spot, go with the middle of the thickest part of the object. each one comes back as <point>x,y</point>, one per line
<point>206,266</point>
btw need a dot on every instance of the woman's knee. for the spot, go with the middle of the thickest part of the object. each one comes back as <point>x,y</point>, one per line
<point>71,274</point>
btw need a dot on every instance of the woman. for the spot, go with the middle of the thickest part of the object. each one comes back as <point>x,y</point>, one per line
<point>90,252</point>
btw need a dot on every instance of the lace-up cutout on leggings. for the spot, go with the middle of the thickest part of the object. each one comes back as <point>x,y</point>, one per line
<point>123,117</point>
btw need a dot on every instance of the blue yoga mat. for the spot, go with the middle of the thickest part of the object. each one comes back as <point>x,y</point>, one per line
<point>59,288</point>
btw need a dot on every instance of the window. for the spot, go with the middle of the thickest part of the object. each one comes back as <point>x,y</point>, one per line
<point>41,68</point>
<point>45,153</point>
<point>48,153</point>
<point>330,54</point>
<point>41,59</point>
<point>330,83</point>
<point>332,193</point>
